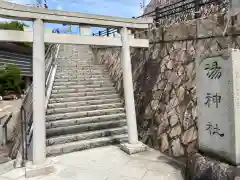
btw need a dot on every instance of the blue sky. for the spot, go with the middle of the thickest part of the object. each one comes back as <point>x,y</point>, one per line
<point>122,8</point>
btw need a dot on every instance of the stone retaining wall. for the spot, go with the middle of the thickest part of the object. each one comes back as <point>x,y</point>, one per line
<point>164,79</point>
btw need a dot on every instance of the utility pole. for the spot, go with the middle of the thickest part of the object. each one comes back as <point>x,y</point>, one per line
<point>142,6</point>
<point>39,4</point>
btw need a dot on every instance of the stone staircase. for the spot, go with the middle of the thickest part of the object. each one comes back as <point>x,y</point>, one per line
<point>6,163</point>
<point>4,152</point>
<point>84,111</point>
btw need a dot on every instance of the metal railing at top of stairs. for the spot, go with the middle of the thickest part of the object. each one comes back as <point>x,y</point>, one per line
<point>27,109</point>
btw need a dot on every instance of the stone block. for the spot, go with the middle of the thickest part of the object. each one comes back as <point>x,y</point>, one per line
<point>180,31</point>
<point>175,131</point>
<point>177,149</point>
<point>211,26</point>
<point>164,143</point>
<point>173,119</point>
<point>201,167</point>
<point>151,35</point>
<point>189,136</point>
<point>159,34</point>
<point>219,105</point>
<point>163,126</point>
<point>133,148</point>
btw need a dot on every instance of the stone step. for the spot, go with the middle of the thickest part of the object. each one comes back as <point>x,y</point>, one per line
<point>76,48</point>
<point>78,73</point>
<point>67,59</point>
<point>80,94</point>
<point>83,108</point>
<point>85,144</point>
<point>85,98</point>
<point>7,166</point>
<point>71,115</point>
<point>73,63</point>
<point>79,55</point>
<point>82,86</point>
<point>53,132</point>
<point>81,76</point>
<point>4,158</point>
<point>87,57</point>
<point>67,55</point>
<point>4,151</point>
<point>81,73</point>
<point>87,82</point>
<point>78,121</point>
<point>85,71</point>
<point>86,135</point>
<point>83,79</point>
<point>79,65</point>
<point>81,68</point>
<point>75,90</point>
<point>83,103</point>
<point>77,51</point>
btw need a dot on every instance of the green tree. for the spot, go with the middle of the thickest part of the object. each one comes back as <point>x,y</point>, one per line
<point>13,25</point>
<point>10,79</point>
<point>19,26</point>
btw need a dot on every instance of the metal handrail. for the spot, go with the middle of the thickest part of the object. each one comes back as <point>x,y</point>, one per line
<point>5,124</point>
<point>1,118</point>
<point>27,109</point>
<point>4,120</point>
<point>166,11</point>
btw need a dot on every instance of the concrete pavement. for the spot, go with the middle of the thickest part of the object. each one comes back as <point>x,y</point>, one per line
<point>108,163</point>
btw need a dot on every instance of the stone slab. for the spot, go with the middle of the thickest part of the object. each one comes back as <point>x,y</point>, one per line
<point>115,165</point>
<point>218,93</point>
<point>39,170</point>
<point>6,167</point>
<point>133,148</point>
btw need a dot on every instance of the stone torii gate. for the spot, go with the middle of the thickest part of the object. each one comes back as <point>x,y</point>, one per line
<point>38,38</point>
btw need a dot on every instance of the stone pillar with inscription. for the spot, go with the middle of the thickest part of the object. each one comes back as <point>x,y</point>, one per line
<point>218,93</point>
<point>85,30</point>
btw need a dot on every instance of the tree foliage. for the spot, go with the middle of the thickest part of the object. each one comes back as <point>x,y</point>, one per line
<point>13,25</point>
<point>19,26</point>
<point>10,79</point>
